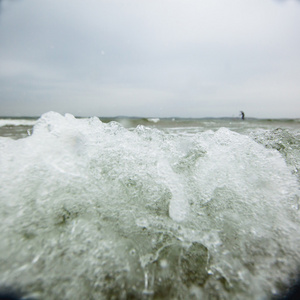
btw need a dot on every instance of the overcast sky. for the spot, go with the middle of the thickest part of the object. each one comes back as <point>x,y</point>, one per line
<point>159,58</point>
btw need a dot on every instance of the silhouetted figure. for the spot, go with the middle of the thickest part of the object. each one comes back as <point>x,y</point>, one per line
<point>242,115</point>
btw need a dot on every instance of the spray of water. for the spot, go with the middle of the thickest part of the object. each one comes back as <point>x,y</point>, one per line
<point>95,211</point>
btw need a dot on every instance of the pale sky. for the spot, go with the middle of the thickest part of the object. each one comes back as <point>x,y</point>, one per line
<point>156,58</point>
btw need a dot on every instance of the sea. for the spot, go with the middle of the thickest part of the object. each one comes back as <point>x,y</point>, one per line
<point>149,208</point>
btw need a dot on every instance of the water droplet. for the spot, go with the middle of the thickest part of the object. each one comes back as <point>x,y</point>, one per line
<point>132,252</point>
<point>164,263</point>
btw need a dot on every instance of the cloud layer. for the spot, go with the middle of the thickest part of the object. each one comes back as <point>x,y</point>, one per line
<point>150,58</point>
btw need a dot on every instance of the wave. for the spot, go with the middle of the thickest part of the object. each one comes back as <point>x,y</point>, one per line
<point>93,210</point>
<point>17,122</point>
<point>154,120</point>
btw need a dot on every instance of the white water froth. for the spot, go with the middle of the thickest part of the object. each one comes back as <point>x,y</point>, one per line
<point>154,120</point>
<point>93,211</point>
<point>16,122</point>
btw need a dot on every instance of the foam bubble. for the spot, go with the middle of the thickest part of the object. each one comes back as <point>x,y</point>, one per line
<point>92,210</point>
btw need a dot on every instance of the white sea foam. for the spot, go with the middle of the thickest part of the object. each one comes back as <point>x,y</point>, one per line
<point>154,120</point>
<point>16,122</point>
<point>92,210</point>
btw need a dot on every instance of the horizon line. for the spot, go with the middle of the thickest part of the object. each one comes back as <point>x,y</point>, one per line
<point>152,117</point>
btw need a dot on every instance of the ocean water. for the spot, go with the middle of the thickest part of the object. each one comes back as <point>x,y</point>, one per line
<point>131,208</point>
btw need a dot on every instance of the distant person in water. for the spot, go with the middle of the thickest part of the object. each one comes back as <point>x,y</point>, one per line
<point>242,115</point>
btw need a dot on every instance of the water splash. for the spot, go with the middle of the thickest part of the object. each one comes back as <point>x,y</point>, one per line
<point>92,210</point>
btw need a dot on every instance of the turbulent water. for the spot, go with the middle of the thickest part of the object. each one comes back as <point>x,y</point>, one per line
<point>170,209</point>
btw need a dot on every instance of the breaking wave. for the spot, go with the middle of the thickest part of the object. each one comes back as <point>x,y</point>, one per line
<point>95,211</point>
<point>16,122</point>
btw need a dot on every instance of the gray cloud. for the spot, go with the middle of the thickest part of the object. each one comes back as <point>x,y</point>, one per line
<point>158,58</point>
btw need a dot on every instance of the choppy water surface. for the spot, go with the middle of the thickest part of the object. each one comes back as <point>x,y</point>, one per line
<point>177,209</point>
